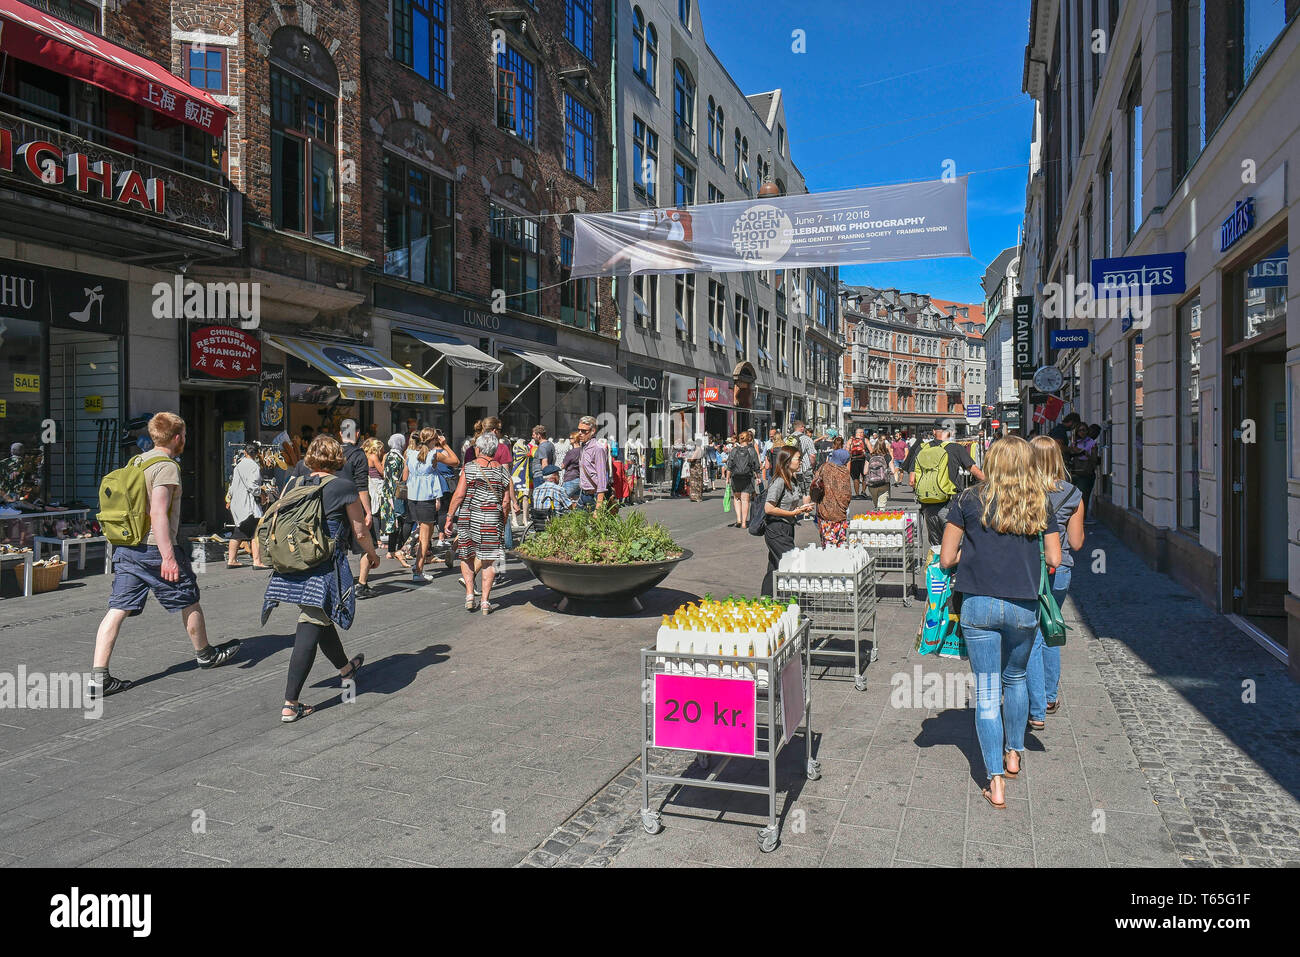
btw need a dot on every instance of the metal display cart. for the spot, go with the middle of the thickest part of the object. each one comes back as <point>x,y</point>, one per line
<point>839,607</point>
<point>770,733</point>
<point>901,560</point>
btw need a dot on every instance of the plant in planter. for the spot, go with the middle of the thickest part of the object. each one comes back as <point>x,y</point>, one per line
<point>601,537</point>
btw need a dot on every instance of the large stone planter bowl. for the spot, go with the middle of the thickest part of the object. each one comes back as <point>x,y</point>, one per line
<point>603,583</point>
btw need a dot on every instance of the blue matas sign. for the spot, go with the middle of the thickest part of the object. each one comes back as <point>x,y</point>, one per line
<point>1069,339</point>
<point>1164,273</point>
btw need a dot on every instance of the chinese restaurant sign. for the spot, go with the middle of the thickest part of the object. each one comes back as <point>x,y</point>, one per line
<point>877,224</point>
<point>223,352</point>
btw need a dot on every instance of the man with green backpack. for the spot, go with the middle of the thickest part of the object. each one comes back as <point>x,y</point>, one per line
<point>139,512</point>
<point>935,473</point>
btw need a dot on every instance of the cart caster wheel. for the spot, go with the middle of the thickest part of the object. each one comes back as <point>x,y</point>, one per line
<point>814,770</point>
<point>701,762</point>
<point>908,601</point>
<point>875,654</point>
<point>650,821</point>
<point>768,839</point>
<point>860,685</point>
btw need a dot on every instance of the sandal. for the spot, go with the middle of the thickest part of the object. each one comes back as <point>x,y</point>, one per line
<point>488,607</point>
<point>1053,706</point>
<point>356,664</point>
<point>1009,773</point>
<point>299,710</point>
<point>1037,725</point>
<point>988,796</point>
<point>236,565</point>
<point>471,604</point>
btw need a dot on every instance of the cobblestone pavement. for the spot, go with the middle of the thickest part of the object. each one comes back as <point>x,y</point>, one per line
<point>516,739</point>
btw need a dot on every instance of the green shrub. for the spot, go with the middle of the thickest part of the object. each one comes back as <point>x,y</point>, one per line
<point>602,537</point>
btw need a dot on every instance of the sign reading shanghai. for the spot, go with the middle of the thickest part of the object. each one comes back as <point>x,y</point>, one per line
<point>871,225</point>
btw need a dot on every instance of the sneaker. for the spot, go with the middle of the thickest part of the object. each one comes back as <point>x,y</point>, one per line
<point>220,654</point>
<point>110,686</point>
<point>365,591</point>
<point>419,578</point>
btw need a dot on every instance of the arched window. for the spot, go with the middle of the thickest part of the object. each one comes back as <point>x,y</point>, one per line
<point>683,106</point>
<point>737,153</point>
<point>638,42</point>
<point>721,150</point>
<point>684,12</point>
<point>744,161</point>
<point>713,124</point>
<point>651,72</point>
<point>304,136</point>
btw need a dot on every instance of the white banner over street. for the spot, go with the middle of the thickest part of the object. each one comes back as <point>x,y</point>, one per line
<point>872,225</point>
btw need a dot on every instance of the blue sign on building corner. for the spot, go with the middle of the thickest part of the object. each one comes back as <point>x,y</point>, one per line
<point>1069,339</point>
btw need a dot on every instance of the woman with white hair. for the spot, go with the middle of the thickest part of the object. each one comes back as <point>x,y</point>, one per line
<point>390,510</point>
<point>479,508</point>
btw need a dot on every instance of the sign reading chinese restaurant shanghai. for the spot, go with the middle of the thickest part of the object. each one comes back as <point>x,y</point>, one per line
<point>223,352</point>
<point>876,224</point>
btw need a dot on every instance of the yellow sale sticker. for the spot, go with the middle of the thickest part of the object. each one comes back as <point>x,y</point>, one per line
<point>4,408</point>
<point>93,403</point>
<point>26,383</point>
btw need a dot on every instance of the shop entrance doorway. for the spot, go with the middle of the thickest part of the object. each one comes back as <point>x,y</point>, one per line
<point>85,402</point>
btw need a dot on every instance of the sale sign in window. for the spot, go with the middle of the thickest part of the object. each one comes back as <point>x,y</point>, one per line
<point>706,714</point>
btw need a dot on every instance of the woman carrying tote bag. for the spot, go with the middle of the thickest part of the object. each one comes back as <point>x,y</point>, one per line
<point>783,506</point>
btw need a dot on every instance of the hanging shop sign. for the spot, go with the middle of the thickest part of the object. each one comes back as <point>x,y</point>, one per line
<point>876,224</point>
<point>223,352</point>
<point>1238,224</point>
<point>64,299</point>
<point>1068,339</point>
<point>1159,274</point>
<point>271,396</point>
<point>1022,336</point>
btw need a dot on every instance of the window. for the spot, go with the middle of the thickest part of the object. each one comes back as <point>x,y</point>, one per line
<point>645,52</point>
<point>1260,292</point>
<point>1262,21</point>
<point>1189,83</point>
<point>806,307</point>
<point>206,67</point>
<point>780,140</point>
<point>742,327</point>
<point>1135,422</point>
<point>419,224</point>
<point>1133,126</point>
<point>515,266</point>
<point>515,93</point>
<point>717,316</point>
<point>715,129</point>
<point>304,158</point>
<point>780,342</point>
<point>715,194</point>
<point>683,106</point>
<point>796,347</point>
<point>579,26</point>
<point>823,308</point>
<point>764,345</point>
<point>684,12</point>
<point>420,38</point>
<point>577,296</point>
<point>646,304</point>
<point>1108,205</point>
<point>742,164</point>
<point>685,302</point>
<point>1107,381</point>
<point>683,183</point>
<point>1189,418</point>
<point>645,158</point>
<point>579,140</point>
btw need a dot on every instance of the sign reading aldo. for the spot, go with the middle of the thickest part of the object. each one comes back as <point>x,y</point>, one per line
<point>1022,336</point>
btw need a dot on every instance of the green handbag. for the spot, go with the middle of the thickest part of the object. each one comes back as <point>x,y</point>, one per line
<point>1050,620</point>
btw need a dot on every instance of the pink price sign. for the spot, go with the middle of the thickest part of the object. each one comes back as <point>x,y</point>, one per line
<point>706,714</point>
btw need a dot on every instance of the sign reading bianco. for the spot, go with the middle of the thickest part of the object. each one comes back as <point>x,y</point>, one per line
<point>1022,333</point>
<point>877,224</point>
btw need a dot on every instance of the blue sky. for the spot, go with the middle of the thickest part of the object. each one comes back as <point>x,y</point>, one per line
<point>884,94</point>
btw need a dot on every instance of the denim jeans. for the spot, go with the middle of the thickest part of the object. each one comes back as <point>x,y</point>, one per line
<point>1045,661</point>
<point>999,633</point>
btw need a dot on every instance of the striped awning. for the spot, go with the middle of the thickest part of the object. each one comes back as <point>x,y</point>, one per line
<point>361,373</point>
<point>546,364</point>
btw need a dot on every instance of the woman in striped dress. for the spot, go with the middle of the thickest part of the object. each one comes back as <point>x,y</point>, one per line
<point>479,507</point>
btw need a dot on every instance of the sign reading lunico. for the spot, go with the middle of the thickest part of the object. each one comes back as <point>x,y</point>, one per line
<point>1022,331</point>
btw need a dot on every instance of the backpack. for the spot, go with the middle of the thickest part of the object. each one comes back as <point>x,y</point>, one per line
<point>293,534</point>
<point>877,470</point>
<point>933,484</point>
<point>857,448</point>
<point>124,504</point>
<point>742,461</point>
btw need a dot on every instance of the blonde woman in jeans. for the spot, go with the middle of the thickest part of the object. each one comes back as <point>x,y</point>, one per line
<point>992,539</point>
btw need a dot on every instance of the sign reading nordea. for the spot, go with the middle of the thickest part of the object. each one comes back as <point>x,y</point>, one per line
<point>706,714</point>
<point>1159,274</point>
<point>1068,339</point>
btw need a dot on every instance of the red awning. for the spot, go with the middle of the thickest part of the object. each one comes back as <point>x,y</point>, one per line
<point>34,36</point>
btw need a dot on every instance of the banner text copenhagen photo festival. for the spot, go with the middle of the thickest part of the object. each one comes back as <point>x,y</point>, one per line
<point>874,224</point>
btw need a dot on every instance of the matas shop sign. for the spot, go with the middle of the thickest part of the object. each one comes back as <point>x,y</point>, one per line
<point>222,352</point>
<point>50,164</point>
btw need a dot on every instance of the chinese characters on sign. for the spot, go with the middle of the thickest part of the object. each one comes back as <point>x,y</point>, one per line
<point>222,352</point>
